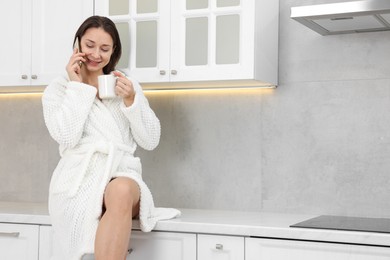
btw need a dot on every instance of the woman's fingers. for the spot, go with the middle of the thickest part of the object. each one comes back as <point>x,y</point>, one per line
<point>124,86</point>
<point>73,68</point>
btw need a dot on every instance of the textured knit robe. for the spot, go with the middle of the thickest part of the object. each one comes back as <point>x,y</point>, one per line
<point>97,140</point>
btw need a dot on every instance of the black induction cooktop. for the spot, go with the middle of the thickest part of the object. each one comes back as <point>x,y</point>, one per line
<point>381,225</point>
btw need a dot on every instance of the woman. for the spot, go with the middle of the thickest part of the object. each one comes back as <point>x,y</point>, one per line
<point>97,188</point>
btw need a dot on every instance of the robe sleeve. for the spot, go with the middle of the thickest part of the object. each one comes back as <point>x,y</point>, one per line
<point>144,124</point>
<point>66,105</point>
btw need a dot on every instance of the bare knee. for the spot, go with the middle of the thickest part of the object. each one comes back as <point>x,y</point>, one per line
<point>121,195</point>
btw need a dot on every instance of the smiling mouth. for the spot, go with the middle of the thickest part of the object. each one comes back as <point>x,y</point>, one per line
<point>93,63</point>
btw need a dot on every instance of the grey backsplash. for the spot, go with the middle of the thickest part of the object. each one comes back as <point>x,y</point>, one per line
<point>318,144</point>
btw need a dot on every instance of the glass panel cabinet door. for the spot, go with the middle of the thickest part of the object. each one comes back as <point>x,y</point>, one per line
<point>150,36</point>
<point>209,38</point>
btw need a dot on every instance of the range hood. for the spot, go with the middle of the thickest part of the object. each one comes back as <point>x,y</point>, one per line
<point>345,17</point>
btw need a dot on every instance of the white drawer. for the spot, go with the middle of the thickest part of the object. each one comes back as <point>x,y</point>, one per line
<point>213,247</point>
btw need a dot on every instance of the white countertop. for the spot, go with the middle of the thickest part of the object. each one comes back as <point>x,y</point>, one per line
<point>254,224</point>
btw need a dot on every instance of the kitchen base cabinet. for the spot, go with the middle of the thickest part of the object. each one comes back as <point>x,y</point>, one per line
<point>279,249</point>
<point>212,247</point>
<point>18,242</point>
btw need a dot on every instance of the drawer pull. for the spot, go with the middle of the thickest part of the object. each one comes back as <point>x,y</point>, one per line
<point>11,234</point>
<point>130,251</point>
<point>219,246</point>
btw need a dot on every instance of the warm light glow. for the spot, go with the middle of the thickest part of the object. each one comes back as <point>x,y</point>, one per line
<point>203,91</point>
<point>211,91</point>
<point>20,95</point>
<point>219,91</point>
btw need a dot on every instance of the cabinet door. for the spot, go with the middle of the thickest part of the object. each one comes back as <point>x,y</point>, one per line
<point>54,26</point>
<point>162,246</point>
<point>15,17</point>
<point>18,242</point>
<point>211,247</point>
<point>37,39</point>
<point>212,40</point>
<point>45,242</point>
<point>144,28</point>
<point>278,249</point>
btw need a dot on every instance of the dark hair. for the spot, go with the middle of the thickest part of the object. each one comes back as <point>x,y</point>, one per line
<point>108,26</point>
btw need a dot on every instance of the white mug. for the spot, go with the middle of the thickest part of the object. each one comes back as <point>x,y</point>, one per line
<point>107,85</point>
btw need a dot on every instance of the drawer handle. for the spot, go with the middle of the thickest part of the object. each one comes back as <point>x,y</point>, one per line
<point>130,251</point>
<point>162,72</point>
<point>219,246</point>
<point>11,234</point>
<point>34,76</point>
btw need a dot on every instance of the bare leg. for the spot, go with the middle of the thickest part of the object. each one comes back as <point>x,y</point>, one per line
<point>121,200</point>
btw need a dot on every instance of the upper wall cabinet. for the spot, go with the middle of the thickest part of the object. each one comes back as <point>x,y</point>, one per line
<point>37,37</point>
<point>166,41</point>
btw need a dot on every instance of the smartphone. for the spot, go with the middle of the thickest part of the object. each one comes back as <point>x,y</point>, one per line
<point>77,45</point>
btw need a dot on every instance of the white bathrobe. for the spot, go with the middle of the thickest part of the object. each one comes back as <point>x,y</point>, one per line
<point>97,140</point>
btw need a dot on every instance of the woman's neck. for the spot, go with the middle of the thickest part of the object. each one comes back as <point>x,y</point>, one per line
<point>91,78</point>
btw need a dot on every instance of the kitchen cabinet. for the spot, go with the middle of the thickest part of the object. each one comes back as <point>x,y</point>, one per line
<point>37,37</point>
<point>279,249</point>
<point>19,241</point>
<point>220,247</point>
<point>170,41</point>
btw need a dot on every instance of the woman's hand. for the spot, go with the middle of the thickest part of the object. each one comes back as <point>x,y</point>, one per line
<point>74,65</point>
<point>124,88</point>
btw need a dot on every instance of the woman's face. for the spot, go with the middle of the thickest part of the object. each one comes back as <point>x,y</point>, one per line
<point>97,44</point>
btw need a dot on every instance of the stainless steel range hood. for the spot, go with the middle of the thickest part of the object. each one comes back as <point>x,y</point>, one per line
<point>346,17</point>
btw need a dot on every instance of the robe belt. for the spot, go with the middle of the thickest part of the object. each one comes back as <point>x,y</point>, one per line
<point>114,152</point>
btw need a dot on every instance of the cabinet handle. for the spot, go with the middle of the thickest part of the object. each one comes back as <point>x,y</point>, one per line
<point>34,76</point>
<point>219,246</point>
<point>24,76</point>
<point>11,234</point>
<point>174,72</point>
<point>162,72</point>
<point>130,251</point>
